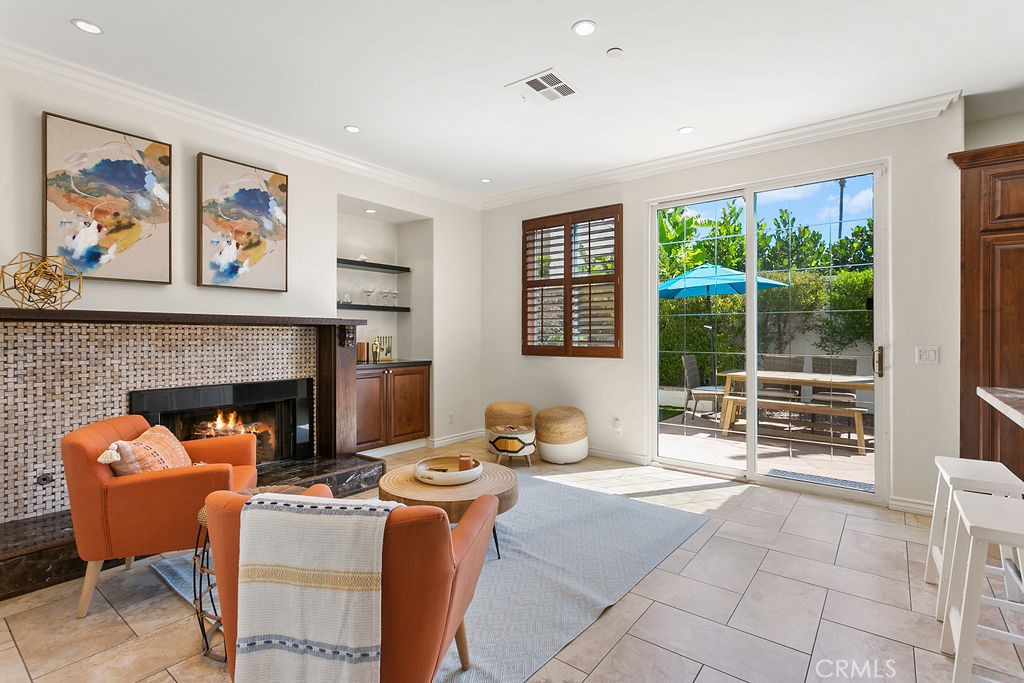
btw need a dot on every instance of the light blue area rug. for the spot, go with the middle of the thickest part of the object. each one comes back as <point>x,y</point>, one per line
<point>566,555</point>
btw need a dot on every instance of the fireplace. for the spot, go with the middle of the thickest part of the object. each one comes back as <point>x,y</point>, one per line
<point>279,413</point>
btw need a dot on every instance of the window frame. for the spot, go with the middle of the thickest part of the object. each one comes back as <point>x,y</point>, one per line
<point>569,280</point>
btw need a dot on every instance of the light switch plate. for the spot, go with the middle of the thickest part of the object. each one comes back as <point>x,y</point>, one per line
<point>926,355</point>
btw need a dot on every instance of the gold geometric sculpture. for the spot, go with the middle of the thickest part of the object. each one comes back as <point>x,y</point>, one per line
<point>33,281</point>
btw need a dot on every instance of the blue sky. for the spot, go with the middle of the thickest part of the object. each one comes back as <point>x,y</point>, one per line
<point>814,204</point>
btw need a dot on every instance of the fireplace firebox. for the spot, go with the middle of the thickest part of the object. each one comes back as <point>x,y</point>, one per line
<point>278,412</point>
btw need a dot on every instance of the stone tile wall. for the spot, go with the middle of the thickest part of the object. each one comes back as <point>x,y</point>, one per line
<point>56,377</point>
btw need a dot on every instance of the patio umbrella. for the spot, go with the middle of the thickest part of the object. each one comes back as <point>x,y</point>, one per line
<point>707,280</point>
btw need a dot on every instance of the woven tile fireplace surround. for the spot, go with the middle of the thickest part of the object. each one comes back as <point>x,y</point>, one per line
<point>62,370</point>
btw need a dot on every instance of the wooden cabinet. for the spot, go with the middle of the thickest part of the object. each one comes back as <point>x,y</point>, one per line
<point>392,405</point>
<point>991,298</point>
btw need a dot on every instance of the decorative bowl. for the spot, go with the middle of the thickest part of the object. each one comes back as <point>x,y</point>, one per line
<point>444,471</point>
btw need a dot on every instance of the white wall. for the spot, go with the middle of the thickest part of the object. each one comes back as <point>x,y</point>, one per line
<point>997,131</point>
<point>312,222</point>
<point>924,233</point>
<point>416,290</point>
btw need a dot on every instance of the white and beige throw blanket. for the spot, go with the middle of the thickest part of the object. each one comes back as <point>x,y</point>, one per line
<point>309,582</point>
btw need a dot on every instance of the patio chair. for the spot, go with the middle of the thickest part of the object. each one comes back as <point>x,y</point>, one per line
<point>695,391</point>
<point>833,365</point>
<point>781,363</point>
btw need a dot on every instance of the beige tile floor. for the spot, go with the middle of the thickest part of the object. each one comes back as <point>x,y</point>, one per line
<point>776,586</point>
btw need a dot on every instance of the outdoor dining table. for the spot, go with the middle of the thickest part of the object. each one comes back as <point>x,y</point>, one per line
<point>802,379</point>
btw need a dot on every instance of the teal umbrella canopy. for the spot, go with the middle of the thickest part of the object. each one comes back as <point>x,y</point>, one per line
<point>707,280</point>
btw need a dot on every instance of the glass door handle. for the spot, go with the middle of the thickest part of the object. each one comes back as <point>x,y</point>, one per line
<point>878,361</point>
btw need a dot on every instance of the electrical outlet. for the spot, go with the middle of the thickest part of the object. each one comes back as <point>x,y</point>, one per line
<point>926,355</point>
<point>451,418</point>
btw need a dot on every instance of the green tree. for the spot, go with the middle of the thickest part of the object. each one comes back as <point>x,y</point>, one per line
<point>785,312</point>
<point>725,240</point>
<point>847,321</point>
<point>786,245</point>
<point>855,249</point>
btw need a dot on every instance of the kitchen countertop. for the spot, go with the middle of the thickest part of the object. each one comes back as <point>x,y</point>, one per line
<point>1009,402</point>
<point>397,363</point>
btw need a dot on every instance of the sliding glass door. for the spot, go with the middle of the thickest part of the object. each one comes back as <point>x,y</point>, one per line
<point>700,327</point>
<point>766,365</point>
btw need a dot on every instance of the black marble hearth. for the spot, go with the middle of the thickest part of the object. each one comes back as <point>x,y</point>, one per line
<point>346,474</point>
<point>37,552</point>
<point>40,551</point>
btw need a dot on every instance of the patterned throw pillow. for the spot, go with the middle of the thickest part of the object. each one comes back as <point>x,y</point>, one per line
<point>154,449</point>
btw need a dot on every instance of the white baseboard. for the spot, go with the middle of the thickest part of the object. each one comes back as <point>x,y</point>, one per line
<point>920,507</point>
<point>634,458</point>
<point>454,438</point>
<point>385,451</point>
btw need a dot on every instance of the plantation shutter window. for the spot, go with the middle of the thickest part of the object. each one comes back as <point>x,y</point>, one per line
<point>572,284</point>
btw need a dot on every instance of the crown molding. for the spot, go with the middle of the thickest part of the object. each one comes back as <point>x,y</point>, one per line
<point>67,73</point>
<point>907,112</point>
<point>74,75</point>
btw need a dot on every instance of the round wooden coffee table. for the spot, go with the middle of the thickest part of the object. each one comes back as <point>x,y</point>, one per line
<point>402,486</point>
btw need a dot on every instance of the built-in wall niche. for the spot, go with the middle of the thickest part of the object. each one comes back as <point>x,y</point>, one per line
<point>378,254</point>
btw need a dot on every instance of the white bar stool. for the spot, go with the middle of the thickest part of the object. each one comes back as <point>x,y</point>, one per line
<point>982,521</point>
<point>964,474</point>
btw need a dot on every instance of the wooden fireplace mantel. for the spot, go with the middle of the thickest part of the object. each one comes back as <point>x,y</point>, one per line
<point>157,318</point>
<point>336,359</point>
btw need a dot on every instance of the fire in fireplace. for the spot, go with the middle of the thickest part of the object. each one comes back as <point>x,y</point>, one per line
<point>278,413</point>
<point>258,422</point>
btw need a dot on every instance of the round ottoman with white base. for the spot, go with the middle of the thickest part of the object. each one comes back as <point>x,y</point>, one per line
<point>504,413</point>
<point>561,435</point>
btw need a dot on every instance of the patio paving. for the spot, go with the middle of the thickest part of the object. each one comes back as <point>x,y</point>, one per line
<point>699,440</point>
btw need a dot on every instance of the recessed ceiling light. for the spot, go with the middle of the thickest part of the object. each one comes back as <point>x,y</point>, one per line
<point>352,129</point>
<point>685,130</point>
<point>584,27</point>
<point>614,52</point>
<point>369,210</point>
<point>87,26</point>
<point>485,180</point>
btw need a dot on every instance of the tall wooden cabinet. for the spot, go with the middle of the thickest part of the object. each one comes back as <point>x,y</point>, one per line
<point>392,405</point>
<point>991,298</point>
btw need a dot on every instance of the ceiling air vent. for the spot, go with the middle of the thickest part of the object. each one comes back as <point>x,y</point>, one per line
<point>547,86</point>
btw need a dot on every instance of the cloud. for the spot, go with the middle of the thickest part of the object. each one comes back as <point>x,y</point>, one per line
<point>854,206</point>
<point>861,203</point>
<point>787,194</point>
<point>825,213</point>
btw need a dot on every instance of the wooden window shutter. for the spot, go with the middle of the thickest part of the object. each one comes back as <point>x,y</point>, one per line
<point>572,284</point>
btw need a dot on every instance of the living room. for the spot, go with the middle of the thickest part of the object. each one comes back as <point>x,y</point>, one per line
<point>467,319</point>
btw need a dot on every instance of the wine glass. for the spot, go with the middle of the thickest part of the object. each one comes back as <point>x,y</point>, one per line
<point>395,295</point>
<point>346,298</point>
<point>369,291</point>
<point>384,295</point>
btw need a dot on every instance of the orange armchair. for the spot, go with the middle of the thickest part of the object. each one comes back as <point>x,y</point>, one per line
<point>428,579</point>
<point>143,514</point>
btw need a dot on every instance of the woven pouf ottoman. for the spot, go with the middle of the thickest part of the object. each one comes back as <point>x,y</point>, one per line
<point>505,413</point>
<point>561,435</point>
<point>505,441</point>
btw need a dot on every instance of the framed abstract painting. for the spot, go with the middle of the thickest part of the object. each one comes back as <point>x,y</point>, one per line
<point>106,200</point>
<point>243,225</point>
